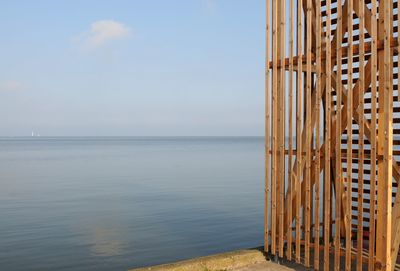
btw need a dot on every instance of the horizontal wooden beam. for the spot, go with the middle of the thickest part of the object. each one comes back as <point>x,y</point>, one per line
<point>356,49</point>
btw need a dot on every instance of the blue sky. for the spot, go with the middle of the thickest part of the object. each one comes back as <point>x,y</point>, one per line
<point>130,67</point>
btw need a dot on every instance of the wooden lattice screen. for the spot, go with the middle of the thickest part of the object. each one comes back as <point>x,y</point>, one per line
<point>333,133</point>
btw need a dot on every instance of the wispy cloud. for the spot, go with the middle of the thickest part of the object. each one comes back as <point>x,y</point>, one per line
<point>102,32</point>
<point>211,5</point>
<point>11,86</point>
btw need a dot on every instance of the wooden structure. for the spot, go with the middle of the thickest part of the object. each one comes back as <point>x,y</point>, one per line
<point>332,133</point>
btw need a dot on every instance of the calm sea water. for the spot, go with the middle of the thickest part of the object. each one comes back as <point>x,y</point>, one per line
<point>119,203</point>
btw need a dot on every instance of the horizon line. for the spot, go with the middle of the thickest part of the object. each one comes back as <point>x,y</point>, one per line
<point>49,136</point>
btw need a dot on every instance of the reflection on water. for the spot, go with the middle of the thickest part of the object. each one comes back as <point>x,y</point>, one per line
<point>119,203</point>
<point>107,242</point>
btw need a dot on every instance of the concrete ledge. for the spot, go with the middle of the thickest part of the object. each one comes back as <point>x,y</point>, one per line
<point>246,260</point>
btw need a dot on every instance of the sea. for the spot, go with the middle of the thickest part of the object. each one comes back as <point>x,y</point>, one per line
<point>115,203</point>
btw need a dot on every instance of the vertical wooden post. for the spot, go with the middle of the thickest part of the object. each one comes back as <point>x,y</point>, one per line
<point>327,165</point>
<point>274,124</point>
<point>308,135</point>
<point>338,164</point>
<point>374,68</point>
<point>291,41</point>
<point>282,95</point>
<point>361,142</point>
<point>299,121</point>
<point>385,141</point>
<point>279,127</point>
<point>267,129</point>
<point>349,150</point>
<point>394,251</point>
<point>317,134</point>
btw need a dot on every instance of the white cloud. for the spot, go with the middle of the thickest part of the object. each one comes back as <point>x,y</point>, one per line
<point>102,32</point>
<point>11,86</point>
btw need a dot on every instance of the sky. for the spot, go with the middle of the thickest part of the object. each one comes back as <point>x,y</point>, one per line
<point>132,67</point>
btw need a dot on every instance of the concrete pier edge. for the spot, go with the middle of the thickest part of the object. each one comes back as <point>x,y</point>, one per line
<point>240,260</point>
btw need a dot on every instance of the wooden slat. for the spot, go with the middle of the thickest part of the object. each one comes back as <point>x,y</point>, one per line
<point>385,136</point>
<point>395,242</point>
<point>327,165</point>
<point>278,129</point>
<point>291,187</point>
<point>282,125</point>
<point>396,206</point>
<point>349,114</point>
<point>299,121</point>
<point>338,164</point>
<point>317,135</point>
<point>267,128</point>
<point>371,248</point>
<point>360,188</point>
<point>274,125</point>
<point>307,213</point>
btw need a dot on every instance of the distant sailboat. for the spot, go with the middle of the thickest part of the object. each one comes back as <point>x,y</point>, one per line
<point>33,134</point>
